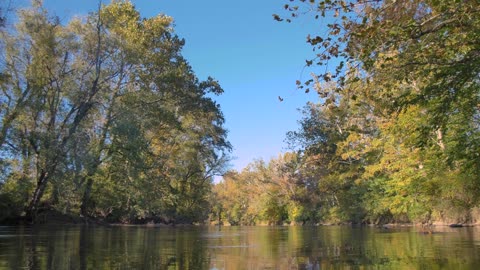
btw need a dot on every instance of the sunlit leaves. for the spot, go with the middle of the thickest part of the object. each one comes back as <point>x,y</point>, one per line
<point>402,77</point>
<point>105,113</point>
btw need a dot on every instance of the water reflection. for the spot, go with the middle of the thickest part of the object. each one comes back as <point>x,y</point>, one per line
<point>230,248</point>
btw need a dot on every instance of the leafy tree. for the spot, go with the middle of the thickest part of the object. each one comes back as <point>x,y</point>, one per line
<point>104,117</point>
<point>404,89</point>
<point>267,193</point>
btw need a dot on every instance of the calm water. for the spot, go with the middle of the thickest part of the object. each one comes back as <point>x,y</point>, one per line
<point>238,248</point>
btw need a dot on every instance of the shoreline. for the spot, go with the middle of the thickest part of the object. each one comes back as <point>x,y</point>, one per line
<point>95,222</point>
<point>58,218</point>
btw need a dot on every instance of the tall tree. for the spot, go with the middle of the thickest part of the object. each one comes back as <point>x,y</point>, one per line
<point>106,103</point>
<point>413,67</point>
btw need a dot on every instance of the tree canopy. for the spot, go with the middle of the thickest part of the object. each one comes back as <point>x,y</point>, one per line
<point>103,117</point>
<point>395,134</point>
<point>398,117</point>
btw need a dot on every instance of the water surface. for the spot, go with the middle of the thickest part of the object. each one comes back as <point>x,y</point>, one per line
<point>77,247</point>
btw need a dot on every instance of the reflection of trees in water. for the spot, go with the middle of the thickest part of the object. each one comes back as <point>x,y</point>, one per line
<point>344,247</point>
<point>83,247</point>
<point>33,260</point>
<point>104,248</point>
<point>237,248</point>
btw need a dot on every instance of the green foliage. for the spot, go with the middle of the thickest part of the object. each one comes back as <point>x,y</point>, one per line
<point>103,117</point>
<point>395,136</point>
<point>267,193</point>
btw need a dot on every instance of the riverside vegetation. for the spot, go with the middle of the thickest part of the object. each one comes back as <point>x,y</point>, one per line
<point>103,118</point>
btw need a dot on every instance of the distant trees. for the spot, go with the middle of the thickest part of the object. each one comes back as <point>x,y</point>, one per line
<point>103,117</point>
<point>267,193</point>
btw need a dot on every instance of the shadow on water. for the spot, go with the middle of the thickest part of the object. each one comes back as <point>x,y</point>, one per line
<point>81,247</point>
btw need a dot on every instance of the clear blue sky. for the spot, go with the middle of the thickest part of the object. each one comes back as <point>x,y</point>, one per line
<point>255,59</point>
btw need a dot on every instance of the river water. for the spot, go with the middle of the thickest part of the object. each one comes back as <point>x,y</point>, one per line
<point>335,247</point>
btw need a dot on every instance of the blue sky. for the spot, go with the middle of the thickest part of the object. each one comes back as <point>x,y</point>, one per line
<point>255,59</point>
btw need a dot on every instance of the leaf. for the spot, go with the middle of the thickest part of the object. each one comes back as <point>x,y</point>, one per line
<point>277,17</point>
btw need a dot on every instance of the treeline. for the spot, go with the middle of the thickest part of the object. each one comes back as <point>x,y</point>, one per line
<point>273,193</point>
<point>395,136</point>
<point>103,118</point>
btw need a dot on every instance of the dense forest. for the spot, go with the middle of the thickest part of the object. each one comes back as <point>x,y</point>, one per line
<point>103,118</point>
<point>395,136</point>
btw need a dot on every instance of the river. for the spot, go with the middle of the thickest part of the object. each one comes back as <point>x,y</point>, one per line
<point>333,247</point>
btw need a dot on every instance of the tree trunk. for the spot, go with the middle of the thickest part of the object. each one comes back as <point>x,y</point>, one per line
<point>440,139</point>
<point>86,197</point>
<point>37,195</point>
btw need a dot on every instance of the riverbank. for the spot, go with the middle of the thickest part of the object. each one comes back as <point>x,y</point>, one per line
<point>54,217</point>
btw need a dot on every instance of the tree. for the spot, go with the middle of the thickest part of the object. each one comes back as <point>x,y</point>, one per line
<point>405,72</point>
<point>267,193</point>
<point>103,115</point>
